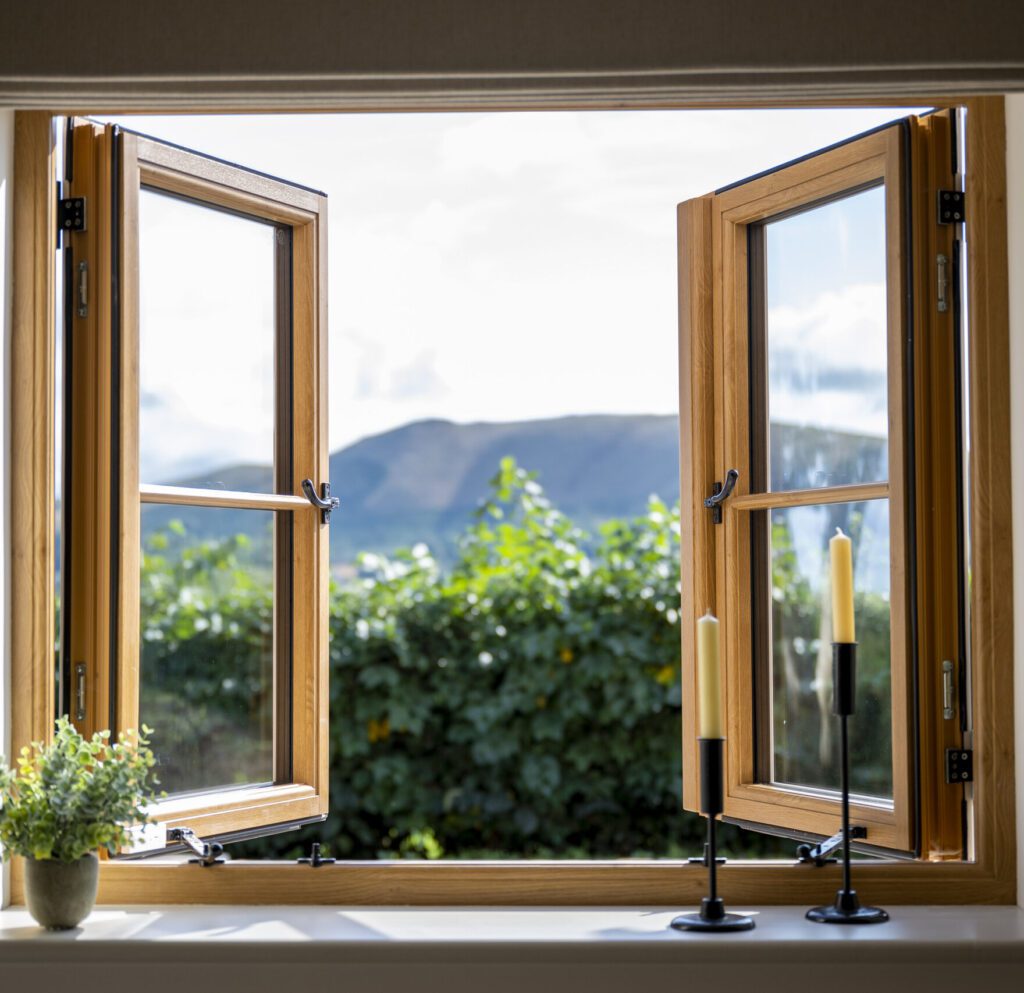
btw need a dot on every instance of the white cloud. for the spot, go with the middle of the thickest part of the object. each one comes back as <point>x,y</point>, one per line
<point>827,361</point>
<point>531,256</point>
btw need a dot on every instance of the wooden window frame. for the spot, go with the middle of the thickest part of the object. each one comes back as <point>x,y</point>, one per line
<point>300,790</point>
<point>990,878</point>
<point>868,161</point>
<point>112,166</point>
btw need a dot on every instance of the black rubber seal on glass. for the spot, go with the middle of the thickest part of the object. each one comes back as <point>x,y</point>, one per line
<point>910,463</point>
<point>813,155</point>
<point>64,662</point>
<point>213,158</point>
<point>116,219</point>
<point>284,522</point>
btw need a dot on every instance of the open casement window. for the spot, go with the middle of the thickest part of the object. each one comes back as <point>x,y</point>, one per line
<point>819,353</point>
<point>220,348</point>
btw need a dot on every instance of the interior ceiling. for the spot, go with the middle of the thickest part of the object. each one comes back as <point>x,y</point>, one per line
<point>418,53</point>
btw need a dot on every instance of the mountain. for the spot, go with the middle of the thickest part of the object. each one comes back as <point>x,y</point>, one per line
<point>421,481</point>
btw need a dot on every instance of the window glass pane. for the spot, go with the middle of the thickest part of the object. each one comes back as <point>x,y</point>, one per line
<point>207,646</point>
<point>826,344</point>
<point>805,749</point>
<point>206,349</point>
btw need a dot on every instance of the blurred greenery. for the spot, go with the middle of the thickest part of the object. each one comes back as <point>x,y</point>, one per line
<point>523,703</point>
<point>805,734</point>
<point>207,658</point>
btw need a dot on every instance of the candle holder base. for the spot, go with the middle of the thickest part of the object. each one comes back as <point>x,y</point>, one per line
<point>847,910</point>
<point>712,917</point>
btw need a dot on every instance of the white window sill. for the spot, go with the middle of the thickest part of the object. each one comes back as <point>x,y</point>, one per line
<point>492,949</point>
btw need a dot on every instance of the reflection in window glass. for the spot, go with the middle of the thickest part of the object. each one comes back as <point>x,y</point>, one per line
<point>805,746</point>
<point>826,344</point>
<point>206,348</point>
<point>207,647</point>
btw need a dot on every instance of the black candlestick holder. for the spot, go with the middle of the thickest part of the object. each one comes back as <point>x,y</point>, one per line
<point>847,908</point>
<point>712,915</point>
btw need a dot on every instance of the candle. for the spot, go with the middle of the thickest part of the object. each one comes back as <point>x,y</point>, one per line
<point>709,679</point>
<point>841,550</point>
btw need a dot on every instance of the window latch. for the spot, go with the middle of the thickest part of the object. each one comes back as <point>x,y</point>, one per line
<point>206,853</point>
<point>719,494</point>
<point>820,855</point>
<point>315,859</point>
<point>324,502</point>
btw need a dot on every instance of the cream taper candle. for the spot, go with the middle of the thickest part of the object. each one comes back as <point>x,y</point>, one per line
<point>709,679</point>
<point>841,550</point>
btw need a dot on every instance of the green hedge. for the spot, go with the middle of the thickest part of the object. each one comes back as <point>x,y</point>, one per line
<point>524,704</point>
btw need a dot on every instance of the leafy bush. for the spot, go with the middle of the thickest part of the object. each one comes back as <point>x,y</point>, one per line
<point>523,704</point>
<point>207,658</point>
<point>75,795</point>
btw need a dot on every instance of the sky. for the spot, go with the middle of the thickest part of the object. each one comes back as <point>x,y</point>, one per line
<point>499,266</point>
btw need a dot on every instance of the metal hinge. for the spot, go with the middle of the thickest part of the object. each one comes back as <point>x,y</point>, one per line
<point>70,213</point>
<point>952,206</point>
<point>959,765</point>
<point>206,853</point>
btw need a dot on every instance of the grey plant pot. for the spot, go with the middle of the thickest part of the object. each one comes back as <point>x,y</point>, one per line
<point>60,895</point>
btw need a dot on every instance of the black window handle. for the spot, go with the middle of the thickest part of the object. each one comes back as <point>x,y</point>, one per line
<point>324,502</point>
<point>720,494</point>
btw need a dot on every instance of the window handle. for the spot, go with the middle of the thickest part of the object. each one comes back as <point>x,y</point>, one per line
<point>720,493</point>
<point>325,503</point>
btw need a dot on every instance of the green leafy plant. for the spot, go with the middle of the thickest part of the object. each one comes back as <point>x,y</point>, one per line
<point>75,795</point>
<point>524,702</point>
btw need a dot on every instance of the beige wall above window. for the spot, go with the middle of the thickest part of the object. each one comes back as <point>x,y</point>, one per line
<point>425,54</point>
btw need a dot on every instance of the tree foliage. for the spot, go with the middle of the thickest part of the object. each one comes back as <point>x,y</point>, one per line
<point>524,703</point>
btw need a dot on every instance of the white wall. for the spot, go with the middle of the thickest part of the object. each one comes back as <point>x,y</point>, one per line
<point>6,175</point>
<point>1015,217</point>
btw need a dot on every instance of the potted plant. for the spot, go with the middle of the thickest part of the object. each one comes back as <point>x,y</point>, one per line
<point>63,802</point>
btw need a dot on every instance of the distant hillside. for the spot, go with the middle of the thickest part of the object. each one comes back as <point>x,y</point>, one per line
<point>420,482</point>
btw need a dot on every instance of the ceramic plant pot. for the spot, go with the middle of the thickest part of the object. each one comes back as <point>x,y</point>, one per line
<point>61,894</point>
